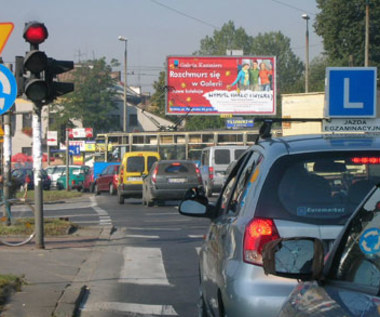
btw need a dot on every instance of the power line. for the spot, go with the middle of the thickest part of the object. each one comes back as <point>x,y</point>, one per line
<point>185,14</point>
<point>292,7</point>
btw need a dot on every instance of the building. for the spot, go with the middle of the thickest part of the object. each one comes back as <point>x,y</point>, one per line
<point>138,120</point>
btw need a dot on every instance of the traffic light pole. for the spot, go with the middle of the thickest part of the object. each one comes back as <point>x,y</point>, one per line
<point>40,87</point>
<point>7,145</point>
<point>37,167</point>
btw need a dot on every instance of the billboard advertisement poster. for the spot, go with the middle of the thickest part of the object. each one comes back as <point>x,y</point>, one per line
<point>210,85</point>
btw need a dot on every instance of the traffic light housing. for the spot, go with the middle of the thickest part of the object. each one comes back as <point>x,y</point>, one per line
<point>54,68</point>
<point>36,73</point>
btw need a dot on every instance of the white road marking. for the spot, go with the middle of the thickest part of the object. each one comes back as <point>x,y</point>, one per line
<point>151,310</point>
<point>141,236</point>
<point>143,266</point>
<point>104,218</point>
<point>162,214</point>
<point>154,229</point>
<point>196,236</point>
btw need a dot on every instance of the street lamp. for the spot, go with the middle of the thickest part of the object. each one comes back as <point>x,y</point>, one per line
<point>366,46</point>
<point>123,39</point>
<point>306,18</point>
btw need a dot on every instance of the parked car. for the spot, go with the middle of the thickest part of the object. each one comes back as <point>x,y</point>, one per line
<point>107,180</point>
<point>347,283</point>
<point>77,174</point>
<point>132,168</point>
<point>88,183</point>
<point>25,177</point>
<point>169,180</point>
<point>214,162</point>
<point>304,185</point>
<point>54,173</point>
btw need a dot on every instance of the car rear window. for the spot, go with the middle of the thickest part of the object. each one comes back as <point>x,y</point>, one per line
<point>151,160</point>
<point>176,168</point>
<point>238,153</point>
<point>318,186</point>
<point>222,156</point>
<point>135,164</point>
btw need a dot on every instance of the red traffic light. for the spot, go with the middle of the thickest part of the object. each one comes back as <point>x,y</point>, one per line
<point>35,33</point>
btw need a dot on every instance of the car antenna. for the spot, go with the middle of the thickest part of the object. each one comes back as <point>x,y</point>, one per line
<point>265,129</point>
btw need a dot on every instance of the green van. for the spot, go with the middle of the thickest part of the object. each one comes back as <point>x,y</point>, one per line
<point>77,175</point>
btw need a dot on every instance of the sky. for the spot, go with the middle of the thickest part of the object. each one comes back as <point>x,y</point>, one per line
<point>87,29</point>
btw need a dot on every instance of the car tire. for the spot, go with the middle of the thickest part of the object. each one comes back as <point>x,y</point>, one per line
<point>120,198</point>
<point>208,192</point>
<point>96,190</point>
<point>202,311</point>
<point>111,190</point>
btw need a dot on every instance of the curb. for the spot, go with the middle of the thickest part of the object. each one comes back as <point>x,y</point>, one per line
<point>74,294</point>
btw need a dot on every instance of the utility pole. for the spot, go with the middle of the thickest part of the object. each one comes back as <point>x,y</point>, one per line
<point>366,33</point>
<point>306,18</point>
<point>7,153</point>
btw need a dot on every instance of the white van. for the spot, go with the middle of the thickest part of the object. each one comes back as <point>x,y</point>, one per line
<point>214,162</point>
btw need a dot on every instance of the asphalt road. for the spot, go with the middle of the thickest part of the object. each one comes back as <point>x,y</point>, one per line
<point>150,266</point>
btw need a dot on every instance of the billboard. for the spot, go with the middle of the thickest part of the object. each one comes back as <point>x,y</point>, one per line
<point>210,85</point>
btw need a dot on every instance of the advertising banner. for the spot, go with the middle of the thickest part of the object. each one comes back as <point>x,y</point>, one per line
<point>78,133</point>
<point>209,85</point>
<point>52,138</point>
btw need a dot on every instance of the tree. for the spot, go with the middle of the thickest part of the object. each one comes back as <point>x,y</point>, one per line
<point>158,98</point>
<point>318,73</point>
<point>341,24</point>
<point>289,66</point>
<point>228,38</point>
<point>92,100</point>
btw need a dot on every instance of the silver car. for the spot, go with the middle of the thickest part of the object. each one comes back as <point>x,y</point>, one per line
<point>169,180</point>
<point>281,187</point>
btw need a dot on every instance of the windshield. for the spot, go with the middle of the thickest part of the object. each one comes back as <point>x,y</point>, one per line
<point>358,258</point>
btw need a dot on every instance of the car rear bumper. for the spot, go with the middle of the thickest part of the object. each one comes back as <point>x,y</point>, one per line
<point>130,190</point>
<point>168,194</point>
<point>247,291</point>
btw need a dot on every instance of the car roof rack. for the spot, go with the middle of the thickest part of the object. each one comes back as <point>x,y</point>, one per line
<point>265,130</point>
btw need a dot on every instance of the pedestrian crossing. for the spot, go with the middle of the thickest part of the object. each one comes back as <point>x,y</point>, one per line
<point>141,267</point>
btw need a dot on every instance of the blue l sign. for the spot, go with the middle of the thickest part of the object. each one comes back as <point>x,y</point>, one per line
<point>351,92</point>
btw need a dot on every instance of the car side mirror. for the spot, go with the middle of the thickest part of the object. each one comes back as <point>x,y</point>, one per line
<point>298,258</point>
<point>195,204</point>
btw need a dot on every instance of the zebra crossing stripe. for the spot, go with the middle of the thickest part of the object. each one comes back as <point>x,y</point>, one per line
<point>150,310</point>
<point>143,266</point>
<point>104,218</point>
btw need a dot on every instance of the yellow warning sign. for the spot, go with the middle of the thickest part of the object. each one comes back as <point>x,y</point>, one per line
<point>6,29</point>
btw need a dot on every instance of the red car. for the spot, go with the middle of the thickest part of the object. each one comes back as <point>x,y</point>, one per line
<point>108,180</point>
<point>88,183</point>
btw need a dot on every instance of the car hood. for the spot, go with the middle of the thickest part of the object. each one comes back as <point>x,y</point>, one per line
<point>309,299</point>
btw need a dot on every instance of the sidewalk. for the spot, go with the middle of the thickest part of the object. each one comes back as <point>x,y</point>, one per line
<point>56,276</point>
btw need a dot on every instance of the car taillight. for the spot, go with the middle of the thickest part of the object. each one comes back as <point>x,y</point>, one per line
<point>211,173</point>
<point>365,160</point>
<point>154,175</point>
<point>257,233</point>
<point>197,170</point>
